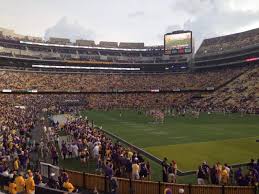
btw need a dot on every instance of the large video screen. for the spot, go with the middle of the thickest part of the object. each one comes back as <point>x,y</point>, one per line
<point>178,43</point>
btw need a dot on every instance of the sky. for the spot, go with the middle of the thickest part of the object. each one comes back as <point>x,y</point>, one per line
<point>128,20</point>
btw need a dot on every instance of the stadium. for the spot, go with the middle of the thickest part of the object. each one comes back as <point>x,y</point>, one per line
<point>127,118</point>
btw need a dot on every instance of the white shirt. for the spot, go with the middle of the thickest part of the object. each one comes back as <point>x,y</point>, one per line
<point>227,169</point>
<point>96,150</point>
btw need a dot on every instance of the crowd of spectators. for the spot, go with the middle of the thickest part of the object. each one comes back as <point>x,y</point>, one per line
<point>229,42</point>
<point>240,95</point>
<point>169,171</point>
<point>136,100</point>
<point>43,101</point>
<point>98,101</point>
<point>111,158</point>
<point>220,174</point>
<point>19,151</point>
<point>217,174</point>
<point>23,80</point>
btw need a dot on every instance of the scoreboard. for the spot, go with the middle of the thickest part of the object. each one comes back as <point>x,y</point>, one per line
<point>178,43</point>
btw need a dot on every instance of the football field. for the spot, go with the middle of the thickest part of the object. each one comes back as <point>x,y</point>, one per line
<point>226,138</point>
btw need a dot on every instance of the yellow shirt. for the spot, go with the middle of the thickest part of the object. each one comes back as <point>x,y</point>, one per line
<point>16,165</point>
<point>224,176</point>
<point>12,188</point>
<point>20,183</point>
<point>68,186</point>
<point>30,185</point>
<point>10,145</point>
<point>135,168</point>
<point>130,154</point>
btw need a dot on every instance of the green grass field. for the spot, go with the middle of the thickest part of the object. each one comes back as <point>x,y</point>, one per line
<point>172,43</point>
<point>190,141</point>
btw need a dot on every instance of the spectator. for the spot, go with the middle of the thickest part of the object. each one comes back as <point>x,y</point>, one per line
<point>20,183</point>
<point>52,183</point>
<point>68,186</point>
<point>181,191</point>
<point>201,176</point>
<point>16,164</point>
<point>108,170</point>
<point>165,170</point>
<point>213,175</point>
<point>135,170</point>
<point>54,156</point>
<point>29,183</point>
<point>37,177</point>
<point>64,150</point>
<point>114,185</point>
<point>224,176</point>
<point>143,170</point>
<point>239,176</point>
<point>168,191</point>
<point>206,170</point>
<point>149,172</point>
<point>12,187</point>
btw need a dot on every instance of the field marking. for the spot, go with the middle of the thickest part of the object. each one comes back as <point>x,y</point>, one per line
<point>146,130</point>
<point>179,137</point>
<point>159,133</point>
